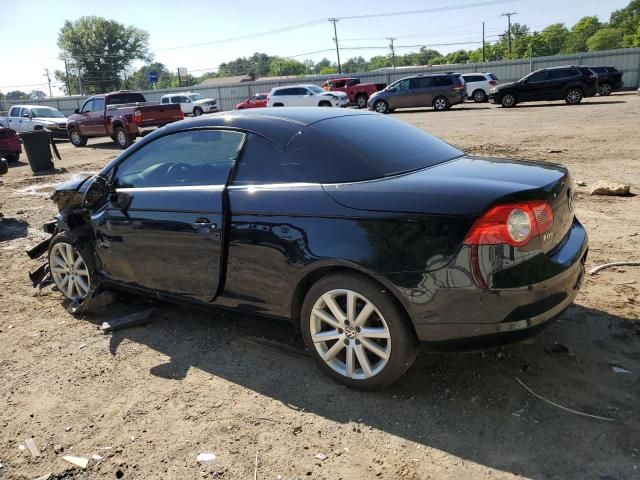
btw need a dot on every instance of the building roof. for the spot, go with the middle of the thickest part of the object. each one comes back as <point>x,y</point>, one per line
<point>219,81</point>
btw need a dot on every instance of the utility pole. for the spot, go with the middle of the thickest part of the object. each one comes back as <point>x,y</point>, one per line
<point>179,79</point>
<point>46,74</point>
<point>508,15</point>
<point>80,78</point>
<point>66,79</point>
<point>335,39</point>
<point>483,59</point>
<point>393,51</point>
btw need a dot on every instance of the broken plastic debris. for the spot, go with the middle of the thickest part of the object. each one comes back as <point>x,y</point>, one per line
<point>30,443</point>
<point>205,457</point>
<point>321,456</point>
<point>620,369</point>
<point>77,461</point>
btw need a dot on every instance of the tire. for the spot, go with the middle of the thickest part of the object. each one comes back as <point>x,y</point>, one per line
<point>361,100</point>
<point>123,139</point>
<point>479,96</point>
<point>72,266</point>
<point>605,89</point>
<point>573,96</point>
<point>324,104</point>
<point>376,361</point>
<point>381,106</point>
<point>197,111</point>
<point>278,105</point>
<point>13,157</point>
<point>440,104</point>
<point>508,100</point>
<point>76,139</point>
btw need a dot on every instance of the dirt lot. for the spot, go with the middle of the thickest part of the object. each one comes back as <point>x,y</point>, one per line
<point>149,399</point>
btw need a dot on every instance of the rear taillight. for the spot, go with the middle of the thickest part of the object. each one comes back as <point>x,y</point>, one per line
<point>137,117</point>
<point>457,86</point>
<point>493,83</point>
<point>513,224</point>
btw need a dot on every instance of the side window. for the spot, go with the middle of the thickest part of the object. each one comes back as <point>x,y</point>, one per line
<point>262,97</point>
<point>197,157</point>
<point>252,99</point>
<point>263,161</point>
<point>442,81</point>
<point>174,99</point>
<point>87,107</point>
<point>537,77</point>
<point>574,73</point>
<point>164,100</point>
<point>403,84</point>
<point>182,99</point>
<point>558,74</point>
<point>283,92</point>
<point>300,91</point>
<point>15,112</point>
<point>25,111</point>
<point>98,105</point>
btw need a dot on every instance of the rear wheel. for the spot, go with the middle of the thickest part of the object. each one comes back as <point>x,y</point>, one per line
<point>324,104</point>
<point>440,104</point>
<point>381,106</point>
<point>72,266</point>
<point>479,96</point>
<point>361,100</point>
<point>573,96</point>
<point>508,100</point>
<point>123,139</point>
<point>197,111</point>
<point>605,89</point>
<point>12,157</point>
<point>356,332</point>
<point>278,105</point>
<point>76,139</point>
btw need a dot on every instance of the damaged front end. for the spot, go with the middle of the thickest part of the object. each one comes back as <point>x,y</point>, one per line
<point>68,197</point>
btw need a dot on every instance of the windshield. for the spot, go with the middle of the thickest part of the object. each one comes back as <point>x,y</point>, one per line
<point>364,147</point>
<point>46,112</point>
<point>315,89</point>
<point>195,96</point>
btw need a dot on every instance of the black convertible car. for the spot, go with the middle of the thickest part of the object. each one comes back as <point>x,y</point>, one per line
<point>369,234</point>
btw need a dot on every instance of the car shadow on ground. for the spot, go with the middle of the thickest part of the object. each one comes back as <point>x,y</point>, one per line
<point>454,108</point>
<point>564,104</point>
<point>11,228</point>
<point>469,405</point>
<point>19,163</point>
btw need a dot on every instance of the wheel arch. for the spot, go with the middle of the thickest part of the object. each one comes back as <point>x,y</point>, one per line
<point>311,277</point>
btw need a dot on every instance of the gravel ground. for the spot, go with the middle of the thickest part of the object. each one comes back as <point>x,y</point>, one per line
<point>149,399</point>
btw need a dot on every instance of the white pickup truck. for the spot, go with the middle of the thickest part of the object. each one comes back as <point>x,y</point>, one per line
<point>26,118</point>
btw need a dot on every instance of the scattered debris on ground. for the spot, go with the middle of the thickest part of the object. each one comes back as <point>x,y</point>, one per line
<point>610,188</point>
<point>132,320</point>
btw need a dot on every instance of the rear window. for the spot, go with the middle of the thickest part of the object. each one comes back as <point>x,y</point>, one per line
<point>493,76</point>
<point>121,98</point>
<point>442,81</point>
<point>365,147</point>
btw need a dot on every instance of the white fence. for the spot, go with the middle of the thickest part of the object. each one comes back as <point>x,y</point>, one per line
<point>627,60</point>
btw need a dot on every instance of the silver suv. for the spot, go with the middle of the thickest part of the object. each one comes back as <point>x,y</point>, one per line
<point>439,91</point>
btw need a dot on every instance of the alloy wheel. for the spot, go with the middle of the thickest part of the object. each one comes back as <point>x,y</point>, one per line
<point>350,334</point>
<point>508,100</point>
<point>574,96</point>
<point>604,90</point>
<point>479,96</point>
<point>440,104</point>
<point>381,107</point>
<point>75,137</point>
<point>362,101</point>
<point>122,138</point>
<point>69,271</point>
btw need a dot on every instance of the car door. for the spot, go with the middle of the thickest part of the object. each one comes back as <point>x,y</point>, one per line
<point>162,228</point>
<point>95,125</point>
<point>556,82</point>
<point>534,87</point>
<point>398,97</point>
<point>304,97</point>
<point>417,95</point>
<point>85,123</point>
<point>14,120</point>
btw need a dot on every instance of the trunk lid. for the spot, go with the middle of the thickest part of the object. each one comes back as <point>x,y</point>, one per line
<point>467,186</point>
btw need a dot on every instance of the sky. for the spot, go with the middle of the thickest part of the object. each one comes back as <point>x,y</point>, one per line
<point>29,29</point>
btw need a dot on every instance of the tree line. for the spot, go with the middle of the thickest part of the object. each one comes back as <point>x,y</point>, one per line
<point>103,51</point>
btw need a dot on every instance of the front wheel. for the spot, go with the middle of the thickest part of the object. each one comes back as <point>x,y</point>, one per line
<point>508,100</point>
<point>573,96</point>
<point>197,111</point>
<point>605,89</point>
<point>324,104</point>
<point>381,106</point>
<point>356,332</point>
<point>123,139</point>
<point>361,101</point>
<point>76,139</point>
<point>71,265</point>
<point>12,157</point>
<point>479,96</point>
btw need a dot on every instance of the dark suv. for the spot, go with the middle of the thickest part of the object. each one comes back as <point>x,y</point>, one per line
<point>439,91</point>
<point>570,84</point>
<point>609,79</point>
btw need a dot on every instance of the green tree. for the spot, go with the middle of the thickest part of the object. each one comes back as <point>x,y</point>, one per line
<point>38,94</point>
<point>139,79</point>
<point>102,49</point>
<point>379,61</point>
<point>328,70</point>
<point>554,37</point>
<point>322,65</point>
<point>580,33</point>
<point>354,65</point>
<point>605,39</point>
<point>459,56</point>
<point>17,95</point>
<point>627,19</point>
<point>285,67</point>
<point>257,65</point>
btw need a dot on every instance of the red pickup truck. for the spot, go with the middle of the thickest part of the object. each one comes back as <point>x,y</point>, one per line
<point>357,92</point>
<point>10,147</point>
<point>122,115</point>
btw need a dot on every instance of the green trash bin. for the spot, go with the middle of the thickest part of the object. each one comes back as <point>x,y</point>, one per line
<point>37,145</point>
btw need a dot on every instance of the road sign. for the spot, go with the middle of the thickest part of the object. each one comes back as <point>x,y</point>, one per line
<point>153,77</point>
<point>182,73</point>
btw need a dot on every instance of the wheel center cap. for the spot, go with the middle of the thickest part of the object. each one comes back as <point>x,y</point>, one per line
<point>350,332</point>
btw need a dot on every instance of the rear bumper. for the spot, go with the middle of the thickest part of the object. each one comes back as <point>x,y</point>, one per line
<point>449,309</point>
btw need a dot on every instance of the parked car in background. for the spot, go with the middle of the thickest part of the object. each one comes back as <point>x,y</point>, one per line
<point>479,85</point>
<point>307,95</point>
<point>357,92</point>
<point>368,233</point>
<point>191,103</point>
<point>439,91</point>
<point>609,79</point>
<point>122,115</point>
<point>570,84</point>
<point>258,100</point>
<point>10,146</point>
<point>27,118</point>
